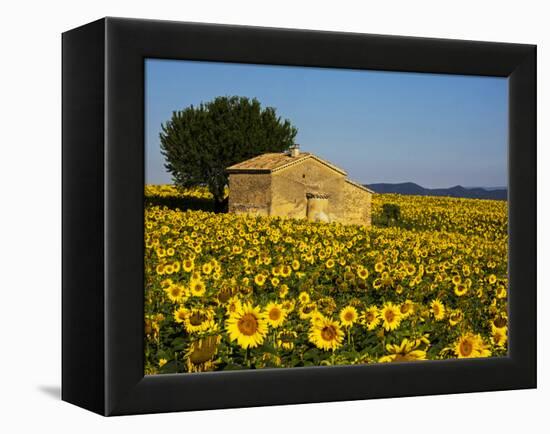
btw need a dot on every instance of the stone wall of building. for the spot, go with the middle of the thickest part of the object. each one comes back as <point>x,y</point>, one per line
<point>284,193</point>
<point>357,205</point>
<point>290,186</point>
<point>250,193</point>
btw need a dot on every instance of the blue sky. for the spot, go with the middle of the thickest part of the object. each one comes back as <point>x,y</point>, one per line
<point>433,129</point>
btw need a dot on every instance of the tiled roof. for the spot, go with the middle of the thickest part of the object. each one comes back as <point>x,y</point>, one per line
<point>267,163</point>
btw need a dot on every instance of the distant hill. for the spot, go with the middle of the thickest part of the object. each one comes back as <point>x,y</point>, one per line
<point>456,191</point>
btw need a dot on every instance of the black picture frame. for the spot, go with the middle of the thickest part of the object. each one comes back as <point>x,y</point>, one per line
<point>103,215</point>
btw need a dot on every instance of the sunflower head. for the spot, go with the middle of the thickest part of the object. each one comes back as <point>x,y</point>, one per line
<point>275,314</point>
<point>180,314</point>
<point>407,308</point>
<point>286,338</point>
<point>348,316</point>
<point>307,310</point>
<point>379,267</point>
<point>455,317</point>
<point>499,336</point>
<point>461,289</point>
<point>391,316</point>
<point>199,320</point>
<point>437,309</point>
<point>362,273</point>
<point>303,298</point>
<point>247,326</point>
<point>200,354</point>
<point>326,334</point>
<point>407,351</point>
<point>197,287</point>
<point>471,345</point>
<point>259,279</point>
<point>175,292</point>
<point>370,317</point>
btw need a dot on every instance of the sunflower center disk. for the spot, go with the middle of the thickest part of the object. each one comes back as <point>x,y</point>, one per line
<point>274,314</point>
<point>466,348</point>
<point>248,324</point>
<point>196,319</point>
<point>328,333</point>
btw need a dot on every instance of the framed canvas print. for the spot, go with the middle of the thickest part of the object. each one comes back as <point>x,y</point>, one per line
<point>257,216</point>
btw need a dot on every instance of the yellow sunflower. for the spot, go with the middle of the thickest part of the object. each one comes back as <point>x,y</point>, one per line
<point>283,290</point>
<point>437,309</point>
<point>326,335</point>
<point>286,270</point>
<point>197,288</point>
<point>164,284</point>
<point>379,267</point>
<point>307,310</point>
<point>276,271</point>
<point>259,279</point>
<point>455,317</point>
<point>461,289</point>
<point>275,314</point>
<point>233,305</point>
<point>180,314</point>
<point>348,316</point>
<point>363,273</point>
<point>288,305</point>
<point>471,345</point>
<point>371,318</point>
<point>499,336</point>
<point>303,298</point>
<point>175,292</point>
<point>207,268</point>
<point>391,316</point>
<point>406,352</point>
<point>501,291</point>
<point>410,269</point>
<point>247,326</point>
<point>406,309</point>
<point>500,322</point>
<point>199,320</point>
<point>286,338</point>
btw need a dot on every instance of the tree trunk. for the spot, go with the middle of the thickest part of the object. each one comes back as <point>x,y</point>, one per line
<point>221,206</point>
<point>217,188</point>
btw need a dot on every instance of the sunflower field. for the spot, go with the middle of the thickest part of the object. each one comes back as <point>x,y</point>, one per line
<point>226,291</point>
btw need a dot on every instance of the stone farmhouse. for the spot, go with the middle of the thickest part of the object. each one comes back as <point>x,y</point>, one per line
<point>298,185</point>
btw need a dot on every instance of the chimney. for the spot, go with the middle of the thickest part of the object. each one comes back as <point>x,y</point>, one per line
<point>294,150</point>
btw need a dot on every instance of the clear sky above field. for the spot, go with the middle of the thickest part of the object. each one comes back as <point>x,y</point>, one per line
<point>435,130</point>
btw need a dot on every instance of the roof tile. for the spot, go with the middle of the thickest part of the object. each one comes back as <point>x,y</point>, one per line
<point>275,161</point>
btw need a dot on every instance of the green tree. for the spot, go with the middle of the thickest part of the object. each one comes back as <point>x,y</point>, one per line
<point>200,142</point>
